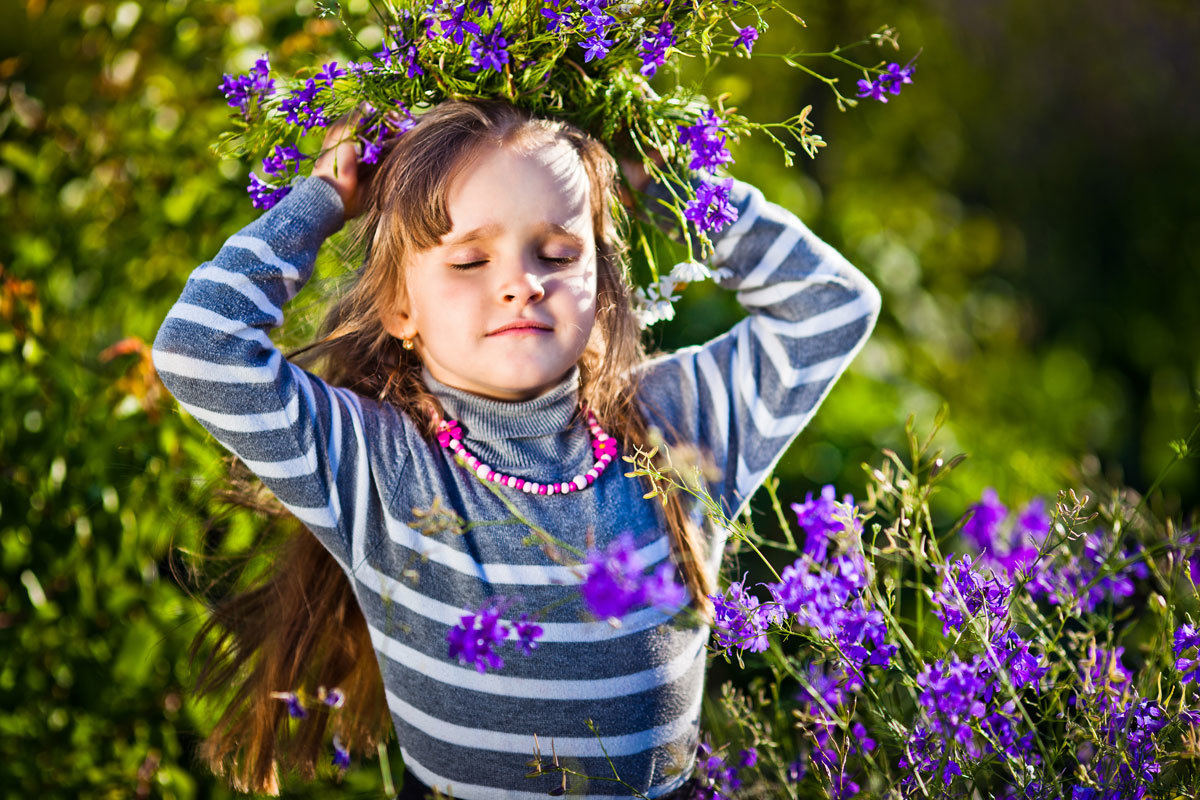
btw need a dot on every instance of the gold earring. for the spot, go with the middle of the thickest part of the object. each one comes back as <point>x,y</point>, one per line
<point>407,344</point>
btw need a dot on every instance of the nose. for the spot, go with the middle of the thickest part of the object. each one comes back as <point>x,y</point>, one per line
<point>521,285</point>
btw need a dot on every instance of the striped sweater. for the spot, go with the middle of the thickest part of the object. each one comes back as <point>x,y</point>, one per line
<point>357,473</point>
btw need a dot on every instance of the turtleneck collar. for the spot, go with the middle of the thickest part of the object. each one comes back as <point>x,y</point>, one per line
<point>488,420</point>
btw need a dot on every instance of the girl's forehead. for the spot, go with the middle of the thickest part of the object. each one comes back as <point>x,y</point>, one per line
<point>522,187</point>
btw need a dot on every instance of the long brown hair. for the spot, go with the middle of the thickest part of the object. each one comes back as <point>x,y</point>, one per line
<point>301,627</point>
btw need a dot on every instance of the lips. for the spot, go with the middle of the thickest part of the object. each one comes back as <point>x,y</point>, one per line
<point>522,326</point>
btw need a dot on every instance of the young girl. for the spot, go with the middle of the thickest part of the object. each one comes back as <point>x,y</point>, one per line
<point>492,296</point>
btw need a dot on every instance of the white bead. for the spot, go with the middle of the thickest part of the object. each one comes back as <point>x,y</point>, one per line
<point>593,473</point>
<point>455,444</point>
<point>579,481</point>
<point>606,458</point>
<point>511,482</point>
<point>550,487</point>
<point>482,470</point>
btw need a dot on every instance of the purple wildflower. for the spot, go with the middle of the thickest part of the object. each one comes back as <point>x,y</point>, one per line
<point>661,590</point>
<point>980,529</point>
<point>596,47</point>
<point>330,72</point>
<point>1185,639</point>
<point>595,21</point>
<point>527,634</point>
<point>711,209</point>
<point>265,195</point>
<point>740,620</point>
<point>397,44</point>
<point>295,708</point>
<point>706,138</point>
<point>873,89</point>
<point>816,519</point>
<point>890,80</point>
<point>654,49</point>
<point>474,638</point>
<point>341,754</point>
<point>717,779</point>
<point>746,38</point>
<point>334,698</point>
<point>238,89</point>
<point>555,18</point>
<point>615,583</point>
<point>748,758</point>
<point>977,594</point>
<point>457,25</point>
<point>277,164</point>
<point>300,106</point>
<point>897,75</point>
<point>1033,521</point>
<point>489,51</point>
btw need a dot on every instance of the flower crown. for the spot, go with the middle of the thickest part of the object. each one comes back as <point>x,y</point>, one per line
<point>587,62</point>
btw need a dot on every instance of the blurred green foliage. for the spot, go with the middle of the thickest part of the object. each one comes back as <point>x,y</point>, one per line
<point>1027,207</point>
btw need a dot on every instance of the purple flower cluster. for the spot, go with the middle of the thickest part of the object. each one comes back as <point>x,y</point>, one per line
<point>378,126</point>
<point>817,518</point>
<point>615,582</point>
<point>825,597</point>
<point>966,590</point>
<point>963,720</point>
<point>398,52</point>
<point>822,702</point>
<point>238,89</point>
<point>473,640</point>
<point>711,209</point>
<point>265,195</point>
<point>489,51</point>
<point>718,778</point>
<point>301,104</point>
<point>654,48</point>
<point>1080,582</point>
<point>889,81</point>
<point>1128,765</point>
<point>1185,639</point>
<point>740,619</point>
<point>1011,542</point>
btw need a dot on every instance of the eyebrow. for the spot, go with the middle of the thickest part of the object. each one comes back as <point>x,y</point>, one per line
<point>490,230</point>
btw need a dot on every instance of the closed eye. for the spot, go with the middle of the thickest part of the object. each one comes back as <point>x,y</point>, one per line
<point>473,264</point>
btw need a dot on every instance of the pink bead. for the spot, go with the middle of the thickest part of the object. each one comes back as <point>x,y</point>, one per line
<point>590,478</point>
<point>520,484</point>
<point>541,490</point>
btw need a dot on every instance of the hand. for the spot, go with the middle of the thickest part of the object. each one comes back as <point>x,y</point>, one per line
<point>338,163</point>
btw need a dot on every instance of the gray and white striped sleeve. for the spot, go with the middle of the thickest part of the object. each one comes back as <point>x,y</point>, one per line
<point>306,440</point>
<point>745,395</point>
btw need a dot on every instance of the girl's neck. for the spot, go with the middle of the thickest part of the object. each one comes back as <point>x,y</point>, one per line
<point>488,419</point>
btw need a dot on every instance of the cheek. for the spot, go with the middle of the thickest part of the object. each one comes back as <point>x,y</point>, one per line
<point>581,289</point>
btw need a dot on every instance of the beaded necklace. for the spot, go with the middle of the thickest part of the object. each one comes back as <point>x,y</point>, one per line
<point>604,448</point>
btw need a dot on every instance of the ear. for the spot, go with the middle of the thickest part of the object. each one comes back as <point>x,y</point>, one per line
<point>399,322</point>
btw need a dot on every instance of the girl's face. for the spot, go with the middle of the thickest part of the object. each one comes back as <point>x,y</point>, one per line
<point>521,250</point>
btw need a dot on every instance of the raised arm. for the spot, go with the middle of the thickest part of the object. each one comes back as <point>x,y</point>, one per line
<point>305,439</point>
<point>745,395</point>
